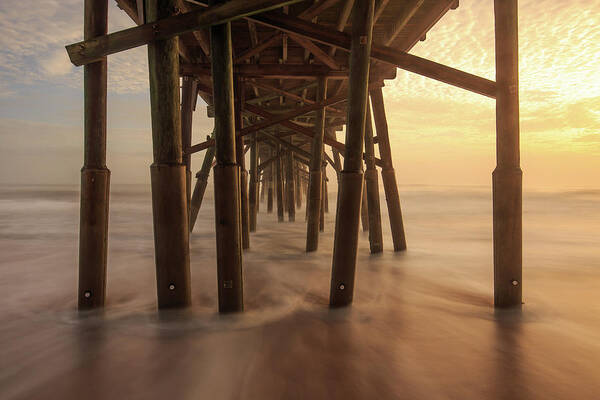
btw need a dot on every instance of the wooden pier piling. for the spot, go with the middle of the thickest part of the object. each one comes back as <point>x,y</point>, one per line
<point>507,177</point>
<point>241,162</point>
<point>168,173</point>
<point>253,189</point>
<point>290,186</point>
<point>188,92</point>
<point>315,185</point>
<point>95,176</point>
<point>388,174</point>
<point>364,209</point>
<point>279,181</point>
<point>201,183</point>
<point>351,177</point>
<point>270,179</point>
<point>372,189</point>
<point>226,174</point>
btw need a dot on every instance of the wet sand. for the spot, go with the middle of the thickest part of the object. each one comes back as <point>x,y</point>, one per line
<point>422,325</point>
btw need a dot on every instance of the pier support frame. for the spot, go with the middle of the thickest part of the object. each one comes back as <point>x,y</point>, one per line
<point>279,181</point>
<point>372,186</point>
<point>388,174</point>
<point>168,173</point>
<point>241,161</point>
<point>507,177</point>
<point>201,183</point>
<point>290,186</point>
<point>95,176</point>
<point>253,189</point>
<point>315,185</point>
<point>188,92</point>
<point>226,174</point>
<point>351,178</point>
<point>298,186</point>
<point>269,178</point>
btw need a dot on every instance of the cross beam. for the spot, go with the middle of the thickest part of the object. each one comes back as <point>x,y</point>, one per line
<point>389,55</point>
<point>96,48</point>
<point>271,71</point>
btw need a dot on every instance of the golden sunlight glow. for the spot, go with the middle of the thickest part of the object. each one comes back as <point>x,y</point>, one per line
<point>559,45</point>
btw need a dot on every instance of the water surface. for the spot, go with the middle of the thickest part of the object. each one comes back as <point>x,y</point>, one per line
<point>422,325</point>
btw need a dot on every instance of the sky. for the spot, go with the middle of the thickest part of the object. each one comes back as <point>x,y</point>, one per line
<point>440,134</point>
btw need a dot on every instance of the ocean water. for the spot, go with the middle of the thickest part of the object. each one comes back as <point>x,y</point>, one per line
<point>422,325</point>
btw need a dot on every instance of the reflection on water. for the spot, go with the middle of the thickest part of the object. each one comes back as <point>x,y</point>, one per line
<point>422,326</point>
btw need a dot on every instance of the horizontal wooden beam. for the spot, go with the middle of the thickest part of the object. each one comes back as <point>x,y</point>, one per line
<point>271,41</point>
<point>317,8</point>
<point>389,55</point>
<point>300,129</point>
<point>316,51</point>
<point>286,93</point>
<point>278,119</point>
<point>401,20</point>
<point>95,49</point>
<point>271,71</point>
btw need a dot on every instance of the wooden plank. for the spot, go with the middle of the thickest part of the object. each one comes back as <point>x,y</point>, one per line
<point>296,128</point>
<point>287,93</point>
<point>401,21</point>
<point>316,51</point>
<point>95,48</point>
<point>257,49</point>
<point>379,9</point>
<point>287,116</point>
<point>317,8</point>
<point>271,71</point>
<point>342,21</point>
<point>439,9</point>
<point>403,60</point>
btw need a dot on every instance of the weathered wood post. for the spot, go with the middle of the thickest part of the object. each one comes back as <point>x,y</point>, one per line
<point>298,185</point>
<point>364,210</point>
<point>270,184</point>
<point>95,176</point>
<point>290,186</point>
<point>371,178</point>
<point>315,185</point>
<point>322,210</point>
<point>325,193</point>
<point>188,92</point>
<point>226,174</point>
<point>507,177</point>
<point>241,161</point>
<point>200,188</point>
<point>279,173</point>
<point>336,154</point>
<point>388,175</point>
<point>168,176</point>
<point>253,190</point>
<point>351,177</point>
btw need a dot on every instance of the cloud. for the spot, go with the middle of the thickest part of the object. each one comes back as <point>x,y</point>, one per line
<point>56,64</point>
<point>32,47</point>
<point>591,138</point>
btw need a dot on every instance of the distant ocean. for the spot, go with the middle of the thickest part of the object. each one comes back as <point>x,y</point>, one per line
<point>422,325</point>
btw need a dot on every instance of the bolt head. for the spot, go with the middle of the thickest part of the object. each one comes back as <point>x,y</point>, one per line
<point>171,287</point>
<point>87,294</point>
<point>515,282</point>
<point>342,286</point>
